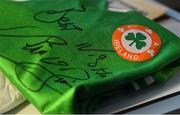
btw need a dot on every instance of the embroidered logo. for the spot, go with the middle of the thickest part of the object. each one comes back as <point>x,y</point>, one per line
<point>136,43</point>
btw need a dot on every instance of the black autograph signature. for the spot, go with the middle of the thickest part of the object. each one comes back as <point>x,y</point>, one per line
<point>59,17</point>
<point>87,47</point>
<point>24,70</point>
<point>18,27</point>
<point>37,48</point>
<point>34,71</point>
<point>101,57</point>
<point>54,61</point>
<point>101,71</point>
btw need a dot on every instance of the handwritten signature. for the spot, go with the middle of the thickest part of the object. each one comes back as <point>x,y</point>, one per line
<point>41,48</point>
<point>59,17</point>
<point>43,77</point>
<point>66,74</point>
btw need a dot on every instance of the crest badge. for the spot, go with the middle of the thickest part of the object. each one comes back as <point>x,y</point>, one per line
<point>136,43</point>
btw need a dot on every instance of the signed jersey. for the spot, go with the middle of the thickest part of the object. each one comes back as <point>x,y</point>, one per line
<point>65,56</point>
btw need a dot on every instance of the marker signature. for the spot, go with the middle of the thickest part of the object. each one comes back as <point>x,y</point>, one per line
<point>87,47</point>
<point>28,72</point>
<point>41,47</point>
<point>59,17</point>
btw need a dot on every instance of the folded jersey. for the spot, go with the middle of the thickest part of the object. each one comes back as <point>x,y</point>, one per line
<point>64,57</point>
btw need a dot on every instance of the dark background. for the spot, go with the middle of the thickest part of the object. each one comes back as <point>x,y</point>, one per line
<point>175,4</point>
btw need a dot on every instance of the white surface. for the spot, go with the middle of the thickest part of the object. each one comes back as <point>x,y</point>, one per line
<point>9,96</point>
